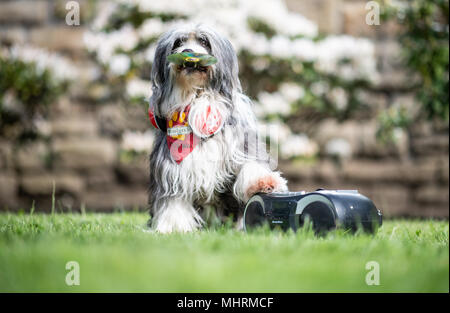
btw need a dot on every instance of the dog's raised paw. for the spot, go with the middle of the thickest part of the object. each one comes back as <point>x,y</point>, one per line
<point>267,184</point>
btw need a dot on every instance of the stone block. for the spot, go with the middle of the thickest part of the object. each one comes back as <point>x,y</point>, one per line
<point>369,146</point>
<point>6,155</point>
<point>354,20</point>
<point>431,145</point>
<point>100,179</point>
<point>392,200</point>
<point>364,170</point>
<point>361,138</point>
<point>325,13</point>
<point>88,153</point>
<point>74,126</point>
<point>429,211</point>
<point>42,184</point>
<point>393,75</point>
<point>58,38</point>
<point>24,11</point>
<point>421,171</point>
<point>298,172</point>
<point>8,189</point>
<point>118,198</point>
<point>443,171</point>
<point>12,35</point>
<point>32,157</point>
<point>112,120</point>
<point>432,194</point>
<point>134,173</point>
<point>328,172</point>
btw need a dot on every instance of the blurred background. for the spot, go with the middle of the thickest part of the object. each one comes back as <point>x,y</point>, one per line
<point>360,99</point>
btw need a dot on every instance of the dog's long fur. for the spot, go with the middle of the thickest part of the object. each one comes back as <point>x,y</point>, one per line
<point>223,170</point>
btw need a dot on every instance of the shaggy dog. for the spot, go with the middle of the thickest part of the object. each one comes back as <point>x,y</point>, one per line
<point>193,164</point>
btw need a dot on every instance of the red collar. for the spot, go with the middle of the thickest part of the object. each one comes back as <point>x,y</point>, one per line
<point>180,136</point>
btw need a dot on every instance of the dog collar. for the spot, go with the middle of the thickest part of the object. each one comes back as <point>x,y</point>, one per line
<point>186,128</point>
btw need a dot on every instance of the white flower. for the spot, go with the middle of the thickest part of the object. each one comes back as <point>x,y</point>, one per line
<point>291,91</point>
<point>298,145</point>
<point>274,103</point>
<point>296,24</point>
<point>275,14</point>
<point>137,141</point>
<point>139,88</point>
<point>360,53</point>
<point>105,9</point>
<point>61,68</point>
<point>319,88</point>
<point>338,147</point>
<point>257,44</point>
<point>125,38</point>
<point>105,44</point>
<point>275,130</point>
<point>151,28</point>
<point>119,64</point>
<point>280,47</point>
<point>173,6</point>
<point>43,127</point>
<point>10,102</point>
<point>260,64</point>
<point>399,134</point>
<point>338,97</point>
<point>230,18</point>
<point>304,49</point>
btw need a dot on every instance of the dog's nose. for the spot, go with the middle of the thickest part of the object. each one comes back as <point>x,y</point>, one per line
<point>188,50</point>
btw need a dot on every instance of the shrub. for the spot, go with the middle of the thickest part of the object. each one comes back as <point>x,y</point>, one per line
<point>425,41</point>
<point>30,81</point>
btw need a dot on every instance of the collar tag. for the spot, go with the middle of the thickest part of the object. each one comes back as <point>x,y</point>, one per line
<point>179,130</point>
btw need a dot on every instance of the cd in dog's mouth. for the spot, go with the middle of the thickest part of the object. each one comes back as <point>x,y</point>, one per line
<point>192,67</point>
<point>192,62</point>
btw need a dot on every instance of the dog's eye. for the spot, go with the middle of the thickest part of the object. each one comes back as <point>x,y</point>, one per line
<point>204,42</point>
<point>176,44</point>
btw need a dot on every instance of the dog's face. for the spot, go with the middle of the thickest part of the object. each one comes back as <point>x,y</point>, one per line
<point>221,77</point>
<point>187,75</point>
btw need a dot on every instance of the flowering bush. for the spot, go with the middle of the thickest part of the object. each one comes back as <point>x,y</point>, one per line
<point>30,80</point>
<point>425,42</point>
<point>285,64</point>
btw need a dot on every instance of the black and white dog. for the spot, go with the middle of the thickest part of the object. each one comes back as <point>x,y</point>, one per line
<point>191,168</point>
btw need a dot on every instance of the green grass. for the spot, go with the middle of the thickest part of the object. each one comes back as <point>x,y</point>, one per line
<point>116,254</point>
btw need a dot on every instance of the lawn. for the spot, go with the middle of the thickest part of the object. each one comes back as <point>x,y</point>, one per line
<point>116,254</point>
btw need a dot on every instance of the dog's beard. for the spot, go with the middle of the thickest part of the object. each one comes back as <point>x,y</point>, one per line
<point>191,79</point>
<point>190,84</point>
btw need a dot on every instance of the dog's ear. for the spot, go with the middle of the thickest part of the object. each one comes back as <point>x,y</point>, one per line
<point>225,77</point>
<point>160,74</point>
<point>160,70</point>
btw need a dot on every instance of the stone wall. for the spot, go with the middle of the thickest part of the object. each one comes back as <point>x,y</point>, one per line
<point>82,160</point>
<point>410,179</point>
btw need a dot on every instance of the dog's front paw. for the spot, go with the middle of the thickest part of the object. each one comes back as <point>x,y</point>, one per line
<point>267,184</point>
<point>178,216</point>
